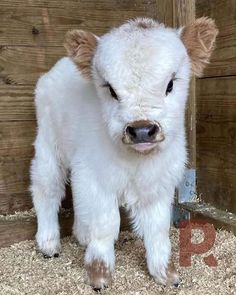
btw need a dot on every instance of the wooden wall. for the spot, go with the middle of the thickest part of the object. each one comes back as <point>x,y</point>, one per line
<point>31,38</point>
<point>216,111</point>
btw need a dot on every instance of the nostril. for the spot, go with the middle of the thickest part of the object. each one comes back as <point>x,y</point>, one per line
<point>131,131</point>
<point>153,130</point>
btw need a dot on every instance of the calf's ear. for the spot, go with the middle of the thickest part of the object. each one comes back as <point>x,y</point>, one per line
<point>199,39</point>
<point>80,46</point>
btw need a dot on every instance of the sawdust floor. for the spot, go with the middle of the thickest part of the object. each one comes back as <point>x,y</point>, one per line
<point>23,270</point>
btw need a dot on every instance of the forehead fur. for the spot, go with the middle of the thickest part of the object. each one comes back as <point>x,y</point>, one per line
<point>142,23</point>
<point>141,46</point>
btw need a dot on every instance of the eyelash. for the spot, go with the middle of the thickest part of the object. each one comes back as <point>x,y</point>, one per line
<point>112,91</point>
<point>114,95</point>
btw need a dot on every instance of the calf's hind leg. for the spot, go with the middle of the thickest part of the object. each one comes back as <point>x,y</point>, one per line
<point>48,189</point>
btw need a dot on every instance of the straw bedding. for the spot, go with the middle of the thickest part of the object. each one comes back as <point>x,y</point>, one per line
<point>23,270</point>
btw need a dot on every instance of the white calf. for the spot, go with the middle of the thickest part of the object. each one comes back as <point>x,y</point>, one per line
<point>112,113</point>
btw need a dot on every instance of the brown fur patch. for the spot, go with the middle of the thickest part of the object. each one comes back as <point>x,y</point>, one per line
<point>172,274</point>
<point>199,39</point>
<point>171,278</point>
<point>146,23</point>
<point>80,46</point>
<point>98,274</point>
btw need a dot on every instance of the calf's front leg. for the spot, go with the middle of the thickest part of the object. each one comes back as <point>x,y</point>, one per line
<point>96,226</point>
<point>152,221</point>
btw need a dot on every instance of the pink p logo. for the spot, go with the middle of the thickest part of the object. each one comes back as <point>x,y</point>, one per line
<point>187,248</point>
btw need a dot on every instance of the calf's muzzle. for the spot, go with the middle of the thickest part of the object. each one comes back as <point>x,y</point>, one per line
<point>142,131</point>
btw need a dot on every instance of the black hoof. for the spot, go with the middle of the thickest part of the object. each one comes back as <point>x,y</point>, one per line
<point>56,255</point>
<point>98,290</point>
<point>46,256</point>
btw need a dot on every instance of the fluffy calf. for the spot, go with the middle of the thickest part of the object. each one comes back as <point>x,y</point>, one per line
<point>112,114</point>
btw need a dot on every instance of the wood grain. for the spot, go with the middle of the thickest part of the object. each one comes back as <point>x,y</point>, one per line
<point>16,139</point>
<point>16,151</point>
<point>17,103</point>
<point>20,229</point>
<point>219,218</point>
<point>183,14</point>
<point>44,24</point>
<point>14,202</point>
<point>216,141</point>
<point>31,37</point>
<point>156,7</point>
<point>24,228</point>
<point>223,61</point>
<point>21,65</point>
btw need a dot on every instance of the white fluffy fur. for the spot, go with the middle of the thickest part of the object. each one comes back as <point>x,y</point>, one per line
<point>80,129</point>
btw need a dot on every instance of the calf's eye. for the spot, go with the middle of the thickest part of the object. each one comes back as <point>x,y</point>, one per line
<point>169,87</point>
<point>113,93</point>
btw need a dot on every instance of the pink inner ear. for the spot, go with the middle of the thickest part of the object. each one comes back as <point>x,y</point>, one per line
<point>199,40</point>
<point>80,46</point>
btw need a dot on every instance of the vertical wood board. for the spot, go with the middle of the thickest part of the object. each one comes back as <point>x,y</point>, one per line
<point>216,141</point>
<point>223,60</point>
<point>183,14</point>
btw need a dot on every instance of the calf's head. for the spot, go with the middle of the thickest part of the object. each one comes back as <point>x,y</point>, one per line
<point>141,72</point>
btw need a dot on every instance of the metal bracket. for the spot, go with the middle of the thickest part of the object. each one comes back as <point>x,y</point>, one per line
<point>178,215</point>
<point>186,191</point>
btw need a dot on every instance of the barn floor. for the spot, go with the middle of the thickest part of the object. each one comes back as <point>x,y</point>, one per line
<point>24,271</point>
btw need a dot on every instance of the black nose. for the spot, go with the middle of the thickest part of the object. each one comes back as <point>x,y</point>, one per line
<point>143,133</point>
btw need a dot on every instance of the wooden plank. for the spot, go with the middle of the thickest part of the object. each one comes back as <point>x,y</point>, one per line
<point>161,11</point>
<point>136,5</point>
<point>183,14</point>
<point>24,65</point>
<point>16,151</point>
<point>18,202</point>
<point>13,230</point>
<point>46,23</point>
<point>18,228</point>
<point>17,103</point>
<point>216,144</point>
<point>223,61</point>
<point>14,202</point>
<point>219,218</point>
<point>47,26</point>
<point>16,139</point>
<point>14,186</point>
